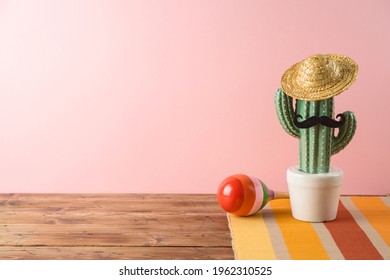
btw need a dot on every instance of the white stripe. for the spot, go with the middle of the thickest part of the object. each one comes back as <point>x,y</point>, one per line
<point>277,239</point>
<point>328,242</point>
<point>259,195</point>
<point>386,200</point>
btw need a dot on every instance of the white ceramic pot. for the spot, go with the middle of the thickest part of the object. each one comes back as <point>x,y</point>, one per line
<point>314,197</point>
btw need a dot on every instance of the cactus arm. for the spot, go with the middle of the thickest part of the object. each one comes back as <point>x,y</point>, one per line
<point>285,112</point>
<point>346,132</point>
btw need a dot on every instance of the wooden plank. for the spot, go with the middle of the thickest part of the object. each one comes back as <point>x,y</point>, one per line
<point>175,204</point>
<point>89,235</point>
<point>112,217</point>
<point>107,196</point>
<point>113,226</point>
<point>115,253</point>
<point>110,200</point>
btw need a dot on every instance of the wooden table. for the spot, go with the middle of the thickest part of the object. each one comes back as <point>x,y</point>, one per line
<point>113,226</point>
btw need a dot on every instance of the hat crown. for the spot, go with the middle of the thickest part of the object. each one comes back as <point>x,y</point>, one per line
<point>317,71</point>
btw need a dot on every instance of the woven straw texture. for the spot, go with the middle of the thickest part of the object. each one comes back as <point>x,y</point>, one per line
<point>319,77</point>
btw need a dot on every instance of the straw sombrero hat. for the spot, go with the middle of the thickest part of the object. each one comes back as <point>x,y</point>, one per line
<point>319,77</point>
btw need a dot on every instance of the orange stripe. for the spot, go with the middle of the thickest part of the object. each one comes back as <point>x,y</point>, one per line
<point>350,238</point>
<point>249,197</point>
<point>251,239</point>
<point>377,213</point>
<point>300,237</point>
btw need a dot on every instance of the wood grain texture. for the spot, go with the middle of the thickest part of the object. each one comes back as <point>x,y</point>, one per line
<point>113,226</point>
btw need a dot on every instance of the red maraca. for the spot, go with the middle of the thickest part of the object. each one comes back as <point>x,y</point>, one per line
<point>244,195</point>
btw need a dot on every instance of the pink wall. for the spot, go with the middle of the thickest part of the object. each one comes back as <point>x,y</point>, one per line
<point>173,96</point>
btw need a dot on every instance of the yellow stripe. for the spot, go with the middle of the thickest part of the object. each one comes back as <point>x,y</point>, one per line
<point>301,238</point>
<point>377,213</point>
<point>251,240</point>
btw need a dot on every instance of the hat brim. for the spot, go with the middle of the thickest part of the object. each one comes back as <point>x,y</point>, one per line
<point>348,71</point>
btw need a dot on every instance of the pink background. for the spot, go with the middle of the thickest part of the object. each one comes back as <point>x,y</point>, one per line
<point>173,96</point>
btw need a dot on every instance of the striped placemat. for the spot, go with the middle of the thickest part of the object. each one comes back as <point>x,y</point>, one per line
<point>361,231</point>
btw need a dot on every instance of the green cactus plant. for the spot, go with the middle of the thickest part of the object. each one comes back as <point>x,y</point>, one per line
<point>318,143</point>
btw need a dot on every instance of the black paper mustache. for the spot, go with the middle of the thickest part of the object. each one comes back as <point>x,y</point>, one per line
<point>324,120</point>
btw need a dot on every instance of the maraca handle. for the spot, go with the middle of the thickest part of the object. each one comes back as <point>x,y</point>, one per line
<point>280,195</point>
